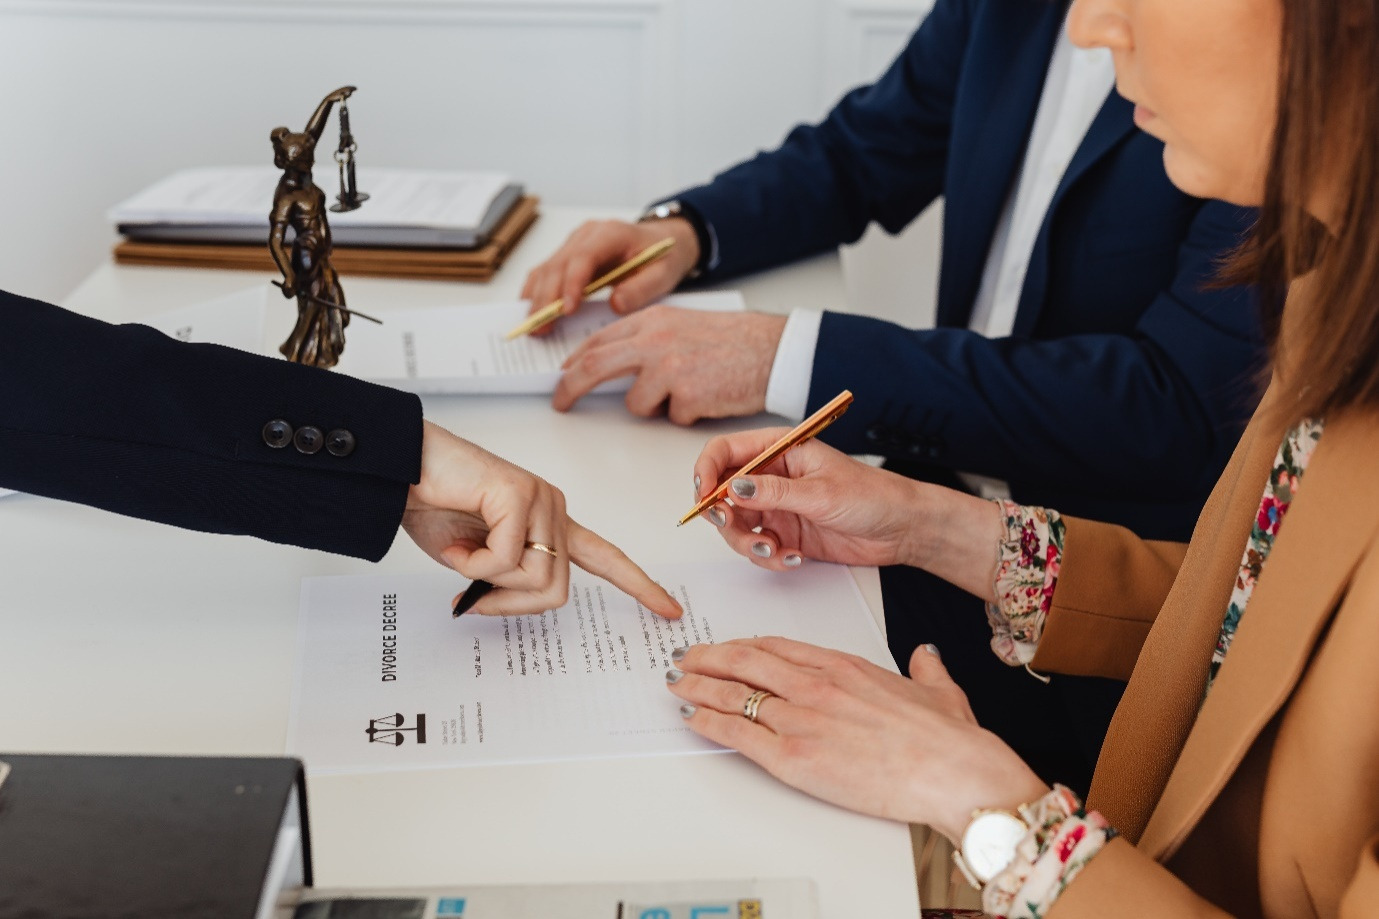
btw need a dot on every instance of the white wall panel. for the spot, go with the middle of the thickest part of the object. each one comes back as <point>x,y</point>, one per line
<point>866,35</point>
<point>588,101</point>
<point>751,70</point>
<point>103,98</point>
<point>895,277</point>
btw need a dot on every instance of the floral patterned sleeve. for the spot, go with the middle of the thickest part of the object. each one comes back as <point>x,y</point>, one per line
<point>1062,839</point>
<point>1030,555</point>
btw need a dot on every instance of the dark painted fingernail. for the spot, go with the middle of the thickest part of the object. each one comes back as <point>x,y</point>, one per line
<point>718,518</point>
<point>792,561</point>
<point>687,711</point>
<point>678,654</point>
<point>744,488</point>
<point>932,649</point>
<point>674,676</point>
<point>761,550</point>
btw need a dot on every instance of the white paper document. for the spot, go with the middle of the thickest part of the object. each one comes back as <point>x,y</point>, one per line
<point>385,678</point>
<point>235,320</point>
<point>243,195</point>
<point>464,349</point>
<point>449,349</point>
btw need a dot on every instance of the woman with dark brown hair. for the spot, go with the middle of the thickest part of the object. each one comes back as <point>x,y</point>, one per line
<point>1241,773</point>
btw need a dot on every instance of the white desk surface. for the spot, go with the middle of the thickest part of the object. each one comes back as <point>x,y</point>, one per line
<point>129,637</point>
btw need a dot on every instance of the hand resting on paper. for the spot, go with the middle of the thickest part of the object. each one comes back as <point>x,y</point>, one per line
<point>845,730</point>
<point>695,364</point>
<point>476,513</point>
<point>817,503</point>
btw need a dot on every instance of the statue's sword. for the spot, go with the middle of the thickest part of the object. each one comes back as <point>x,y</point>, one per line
<point>337,306</point>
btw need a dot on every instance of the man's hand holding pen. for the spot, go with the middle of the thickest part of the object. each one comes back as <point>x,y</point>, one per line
<point>687,364</point>
<point>600,245</point>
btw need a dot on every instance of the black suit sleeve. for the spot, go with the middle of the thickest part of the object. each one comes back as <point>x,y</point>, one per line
<point>129,420</point>
<point>1163,403</point>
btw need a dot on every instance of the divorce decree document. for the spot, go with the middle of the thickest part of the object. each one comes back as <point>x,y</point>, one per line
<point>387,679</point>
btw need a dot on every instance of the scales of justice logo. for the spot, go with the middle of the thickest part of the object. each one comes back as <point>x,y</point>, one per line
<point>390,729</point>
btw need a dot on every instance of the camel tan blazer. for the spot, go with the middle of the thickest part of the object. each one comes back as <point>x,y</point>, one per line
<point>1264,801</point>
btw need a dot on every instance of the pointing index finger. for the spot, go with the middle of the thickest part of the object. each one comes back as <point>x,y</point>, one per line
<point>600,557</point>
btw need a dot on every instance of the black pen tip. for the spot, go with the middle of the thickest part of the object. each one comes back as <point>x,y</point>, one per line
<point>472,594</point>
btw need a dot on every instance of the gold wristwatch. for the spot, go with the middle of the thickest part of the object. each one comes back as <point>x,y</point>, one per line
<point>987,846</point>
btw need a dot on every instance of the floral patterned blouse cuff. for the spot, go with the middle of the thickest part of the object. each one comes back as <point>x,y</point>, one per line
<point>1062,840</point>
<point>1029,557</point>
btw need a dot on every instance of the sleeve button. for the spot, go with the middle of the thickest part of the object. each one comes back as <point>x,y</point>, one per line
<point>277,433</point>
<point>340,442</point>
<point>308,440</point>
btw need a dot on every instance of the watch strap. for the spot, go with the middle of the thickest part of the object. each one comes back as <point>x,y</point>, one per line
<point>1043,869</point>
<point>665,210</point>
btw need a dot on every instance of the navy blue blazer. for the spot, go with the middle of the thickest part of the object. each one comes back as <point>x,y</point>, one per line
<point>127,419</point>
<point>1127,380</point>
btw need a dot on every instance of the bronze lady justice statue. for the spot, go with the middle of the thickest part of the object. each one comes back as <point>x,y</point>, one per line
<point>319,335</point>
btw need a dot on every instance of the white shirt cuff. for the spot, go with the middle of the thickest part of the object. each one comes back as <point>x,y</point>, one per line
<point>787,391</point>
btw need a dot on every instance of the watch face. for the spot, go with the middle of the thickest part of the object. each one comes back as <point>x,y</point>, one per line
<point>988,845</point>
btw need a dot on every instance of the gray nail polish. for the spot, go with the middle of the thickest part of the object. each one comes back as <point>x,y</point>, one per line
<point>932,649</point>
<point>674,676</point>
<point>744,488</point>
<point>761,550</point>
<point>678,654</point>
<point>717,517</point>
<point>793,561</point>
<point>697,485</point>
<point>687,710</point>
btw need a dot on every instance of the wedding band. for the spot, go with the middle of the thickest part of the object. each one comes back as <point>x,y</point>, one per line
<point>542,547</point>
<point>753,704</point>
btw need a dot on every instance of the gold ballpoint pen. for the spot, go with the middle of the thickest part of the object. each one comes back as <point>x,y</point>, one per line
<point>551,312</point>
<point>808,428</point>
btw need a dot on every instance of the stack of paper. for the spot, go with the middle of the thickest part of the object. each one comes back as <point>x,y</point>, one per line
<point>443,226</point>
<point>406,207</point>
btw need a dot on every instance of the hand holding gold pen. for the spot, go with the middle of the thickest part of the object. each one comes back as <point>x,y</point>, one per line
<point>551,312</point>
<point>806,429</point>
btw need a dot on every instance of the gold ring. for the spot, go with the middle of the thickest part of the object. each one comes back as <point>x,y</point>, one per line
<point>542,547</point>
<point>753,704</point>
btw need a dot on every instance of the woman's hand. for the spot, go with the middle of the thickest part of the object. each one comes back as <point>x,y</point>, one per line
<point>845,730</point>
<point>812,502</point>
<point>479,514</point>
<point>815,502</point>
